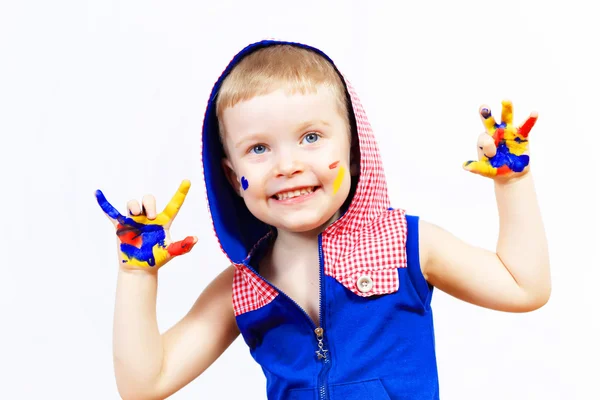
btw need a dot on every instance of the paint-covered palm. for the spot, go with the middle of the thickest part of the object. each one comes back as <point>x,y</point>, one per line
<point>504,150</point>
<point>145,243</point>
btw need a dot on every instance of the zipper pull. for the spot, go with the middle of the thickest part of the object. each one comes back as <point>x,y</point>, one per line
<point>322,352</point>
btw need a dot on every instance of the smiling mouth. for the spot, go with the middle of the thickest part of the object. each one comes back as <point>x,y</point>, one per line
<point>291,194</point>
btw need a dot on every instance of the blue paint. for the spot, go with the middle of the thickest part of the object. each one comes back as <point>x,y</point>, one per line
<point>108,208</point>
<point>147,235</point>
<point>505,157</point>
<point>244,183</point>
<point>500,125</point>
<point>150,235</point>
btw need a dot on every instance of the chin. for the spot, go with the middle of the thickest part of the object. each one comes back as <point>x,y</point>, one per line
<point>305,224</point>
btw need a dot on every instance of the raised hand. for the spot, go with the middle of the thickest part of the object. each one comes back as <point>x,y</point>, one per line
<point>504,150</point>
<point>144,241</point>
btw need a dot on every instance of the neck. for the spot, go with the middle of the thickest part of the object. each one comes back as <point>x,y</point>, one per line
<point>296,243</point>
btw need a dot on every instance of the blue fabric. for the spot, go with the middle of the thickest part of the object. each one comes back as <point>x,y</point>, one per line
<point>380,347</point>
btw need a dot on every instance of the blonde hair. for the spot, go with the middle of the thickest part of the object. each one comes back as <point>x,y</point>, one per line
<point>288,67</point>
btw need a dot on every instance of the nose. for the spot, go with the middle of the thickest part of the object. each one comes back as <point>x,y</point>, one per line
<point>288,164</point>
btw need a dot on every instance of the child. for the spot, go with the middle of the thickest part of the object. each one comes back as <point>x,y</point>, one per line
<point>331,287</point>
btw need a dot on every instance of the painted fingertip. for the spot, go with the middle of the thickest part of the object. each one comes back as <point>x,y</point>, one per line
<point>107,207</point>
<point>244,183</point>
<point>184,186</point>
<point>485,112</point>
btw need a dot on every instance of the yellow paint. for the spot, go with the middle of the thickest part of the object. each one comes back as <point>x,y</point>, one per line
<point>170,210</point>
<point>510,134</point>
<point>160,253</point>
<point>161,256</point>
<point>516,143</point>
<point>507,112</point>
<point>338,180</point>
<point>482,167</point>
<point>490,124</point>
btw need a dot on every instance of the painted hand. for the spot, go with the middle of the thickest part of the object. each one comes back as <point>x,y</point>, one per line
<point>145,242</point>
<point>504,150</point>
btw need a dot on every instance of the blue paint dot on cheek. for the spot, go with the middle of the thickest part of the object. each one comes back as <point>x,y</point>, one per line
<point>244,183</point>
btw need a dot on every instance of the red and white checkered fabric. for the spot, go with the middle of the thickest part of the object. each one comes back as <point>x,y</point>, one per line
<point>249,291</point>
<point>369,240</point>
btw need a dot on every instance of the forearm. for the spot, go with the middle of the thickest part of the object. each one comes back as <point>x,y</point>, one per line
<point>137,343</point>
<point>522,245</point>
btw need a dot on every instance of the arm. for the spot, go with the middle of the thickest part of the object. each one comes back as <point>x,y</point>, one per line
<point>516,277</point>
<point>148,365</point>
<point>151,366</point>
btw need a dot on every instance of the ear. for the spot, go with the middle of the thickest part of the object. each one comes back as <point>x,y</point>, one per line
<point>231,176</point>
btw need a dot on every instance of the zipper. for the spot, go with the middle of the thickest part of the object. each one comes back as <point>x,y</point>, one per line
<point>320,332</point>
<point>322,354</point>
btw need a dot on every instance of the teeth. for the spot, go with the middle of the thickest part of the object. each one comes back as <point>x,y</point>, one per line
<point>293,193</point>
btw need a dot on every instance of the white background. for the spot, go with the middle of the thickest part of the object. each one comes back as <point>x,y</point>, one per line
<point>111,95</point>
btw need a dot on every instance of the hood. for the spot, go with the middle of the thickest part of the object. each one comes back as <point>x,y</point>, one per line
<point>237,230</point>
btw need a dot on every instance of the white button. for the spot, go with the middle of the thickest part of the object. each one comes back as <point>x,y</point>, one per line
<point>364,284</point>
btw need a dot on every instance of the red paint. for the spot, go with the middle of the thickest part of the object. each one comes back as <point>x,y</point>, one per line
<point>498,136</point>
<point>129,235</point>
<point>526,127</point>
<point>181,247</point>
<point>503,170</point>
<point>333,165</point>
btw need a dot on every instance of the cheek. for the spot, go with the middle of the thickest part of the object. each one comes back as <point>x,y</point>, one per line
<point>251,178</point>
<point>337,174</point>
<point>339,178</point>
<point>244,183</point>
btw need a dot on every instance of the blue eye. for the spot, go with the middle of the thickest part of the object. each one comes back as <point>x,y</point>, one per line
<point>258,149</point>
<point>311,137</point>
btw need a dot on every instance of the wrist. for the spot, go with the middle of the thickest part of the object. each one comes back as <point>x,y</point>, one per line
<point>134,270</point>
<point>512,179</point>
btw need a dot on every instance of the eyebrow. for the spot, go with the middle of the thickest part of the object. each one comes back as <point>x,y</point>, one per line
<point>254,137</point>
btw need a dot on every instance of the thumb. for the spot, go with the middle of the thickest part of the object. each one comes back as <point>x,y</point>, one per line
<point>486,147</point>
<point>181,247</point>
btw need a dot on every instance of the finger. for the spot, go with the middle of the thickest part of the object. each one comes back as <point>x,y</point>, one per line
<point>133,207</point>
<point>485,146</point>
<point>108,208</point>
<point>507,113</point>
<point>527,125</point>
<point>149,206</point>
<point>181,247</point>
<point>176,202</point>
<point>486,117</point>
<point>480,168</point>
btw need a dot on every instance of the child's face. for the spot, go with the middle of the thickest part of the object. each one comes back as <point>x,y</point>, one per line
<point>288,157</point>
